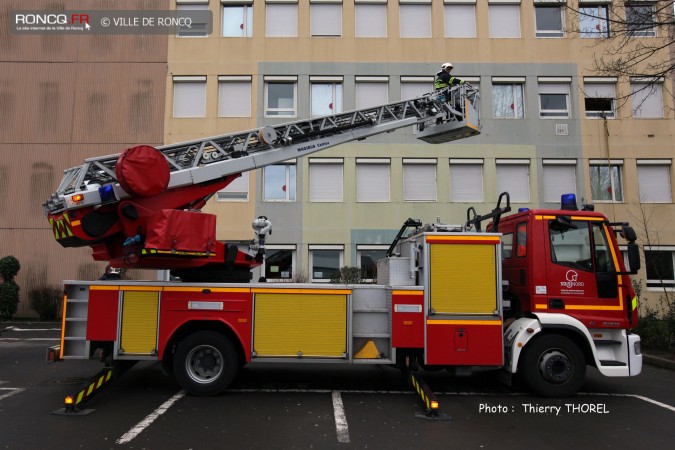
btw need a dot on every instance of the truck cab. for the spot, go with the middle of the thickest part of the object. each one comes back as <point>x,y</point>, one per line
<point>568,261</point>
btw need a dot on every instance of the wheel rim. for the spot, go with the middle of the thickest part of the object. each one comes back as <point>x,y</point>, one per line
<point>204,364</point>
<point>556,367</point>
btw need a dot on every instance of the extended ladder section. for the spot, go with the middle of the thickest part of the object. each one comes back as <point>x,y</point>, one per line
<point>441,116</point>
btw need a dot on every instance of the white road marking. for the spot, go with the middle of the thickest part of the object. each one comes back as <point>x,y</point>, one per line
<point>29,339</point>
<point>32,329</point>
<point>145,423</point>
<point>11,392</point>
<point>341,426</point>
<point>639,397</point>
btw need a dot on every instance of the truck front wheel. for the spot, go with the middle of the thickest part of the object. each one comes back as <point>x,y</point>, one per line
<point>205,363</point>
<point>553,366</point>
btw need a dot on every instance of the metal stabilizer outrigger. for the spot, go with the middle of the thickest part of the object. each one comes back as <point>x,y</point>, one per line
<point>431,404</point>
<point>72,404</point>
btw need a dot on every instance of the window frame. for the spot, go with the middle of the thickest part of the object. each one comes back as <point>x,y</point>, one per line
<point>517,85</point>
<point>312,248</point>
<point>603,83</point>
<point>549,33</point>
<point>557,163</point>
<point>361,164</point>
<point>493,22</point>
<point>358,18</point>
<point>316,162</point>
<point>650,90</point>
<point>640,32</point>
<point>294,257</point>
<point>462,195</point>
<point>247,17</point>
<point>193,7</point>
<point>555,86</point>
<point>316,16</point>
<point>600,20</point>
<point>369,248</point>
<point>411,162</point>
<point>292,80</point>
<point>652,179</point>
<point>613,167</point>
<point>658,284</point>
<point>406,29</point>
<point>336,85</point>
<point>291,177</point>
<point>521,163</point>
<point>448,26</point>
<point>228,196</point>
<point>273,14</point>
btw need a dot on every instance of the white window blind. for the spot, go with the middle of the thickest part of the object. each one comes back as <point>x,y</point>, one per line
<point>414,89</point>
<point>460,21</point>
<point>514,179</point>
<point>415,21</point>
<point>371,94</point>
<point>281,19</point>
<point>372,181</point>
<point>466,181</point>
<point>189,97</point>
<point>325,182</point>
<point>235,191</point>
<point>234,98</point>
<point>559,179</point>
<point>419,182</point>
<point>504,21</point>
<point>370,20</point>
<point>647,100</point>
<point>654,183</point>
<point>325,19</point>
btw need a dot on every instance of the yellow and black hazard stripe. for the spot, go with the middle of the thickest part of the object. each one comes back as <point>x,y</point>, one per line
<point>425,393</point>
<point>73,402</point>
<point>61,227</point>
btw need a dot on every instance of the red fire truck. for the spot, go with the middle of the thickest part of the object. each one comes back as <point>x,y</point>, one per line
<point>543,292</point>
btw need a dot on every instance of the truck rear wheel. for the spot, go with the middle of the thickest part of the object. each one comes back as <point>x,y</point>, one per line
<point>553,366</point>
<point>205,363</point>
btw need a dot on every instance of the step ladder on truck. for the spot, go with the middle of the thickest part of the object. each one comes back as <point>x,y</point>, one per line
<point>438,301</point>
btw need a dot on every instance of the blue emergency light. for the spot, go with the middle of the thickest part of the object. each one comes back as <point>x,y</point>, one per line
<point>523,209</point>
<point>568,202</point>
<point>107,193</point>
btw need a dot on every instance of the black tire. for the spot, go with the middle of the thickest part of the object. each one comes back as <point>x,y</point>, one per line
<point>205,363</point>
<point>553,366</point>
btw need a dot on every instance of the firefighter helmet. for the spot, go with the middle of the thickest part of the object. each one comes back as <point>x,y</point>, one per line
<point>446,66</point>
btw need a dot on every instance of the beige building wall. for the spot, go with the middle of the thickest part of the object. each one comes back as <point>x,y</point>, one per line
<point>304,223</point>
<point>64,99</point>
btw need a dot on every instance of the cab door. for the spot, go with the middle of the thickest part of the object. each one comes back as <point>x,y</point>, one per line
<point>581,272</point>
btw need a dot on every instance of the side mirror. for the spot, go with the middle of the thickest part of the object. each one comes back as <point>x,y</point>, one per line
<point>561,224</point>
<point>633,257</point>
<point>629,234</point>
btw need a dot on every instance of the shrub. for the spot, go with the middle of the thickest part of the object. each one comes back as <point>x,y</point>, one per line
<point>9,290</point>
<point>347,275</point>
<point>656,325</point>
<point>46,301</point>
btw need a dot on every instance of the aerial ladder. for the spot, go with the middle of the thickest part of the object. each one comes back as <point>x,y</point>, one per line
<point>141,208</point>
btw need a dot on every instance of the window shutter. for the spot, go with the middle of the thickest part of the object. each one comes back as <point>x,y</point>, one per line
<point>514,179</point>
<point>325,182</point>
<point>419,182</point>
<point>558,180</point>
<point>372,182</point>
<point>466,182</point>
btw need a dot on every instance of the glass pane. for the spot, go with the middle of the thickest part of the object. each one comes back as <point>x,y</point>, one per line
<point>659,265</point>
<point>233,21</point>
<point>601,186</point>
<point>275,183</point>
<point>368,262</point>
<point>549,18</point>
<point>326,99</point>
<point>508,100</point>
<point>640,19</point>
<point>278,264</point>
<point>324,263</point>
<point>593,22</point>
<point>603,259</point>
<point>570,245</point>
<point>617,184</point>
<point>553,101</point>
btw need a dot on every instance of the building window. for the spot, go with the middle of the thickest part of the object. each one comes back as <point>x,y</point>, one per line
<point>324,261</point>
<point>280,96</point>
<point>593,21</point>
<point>654,181</point>
<point>189,96</point>
<point>504,21</point>
<point>647,98</point>
<point>372,180</point>
<point>237,20</point>
<point>559,177</point>
<point>466,180</point>
<point>325,179</point>
<point>234,96</point>
<point>413,87</point>
<point>367,257</point>
<point>460,21</point>
<point>370,20</point>
<point>507,100</point>
<point>325,19</point>
<point>599,98</point>
<point>660,265</point>
<point>415,20</point>
<point>549,20</point>
<point>279,183</point>
<point>279,262</point>
<point>326,96</point>
<point>513,176</point>
<point>196,28</point>
<point>371,91</point>
<point>237,191</point>
<point>281,19</point>
<point>554,99</point>
<point>419,180</point>
<point>641,20</point>
<point>606,181</point>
